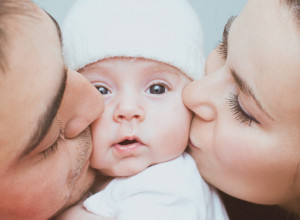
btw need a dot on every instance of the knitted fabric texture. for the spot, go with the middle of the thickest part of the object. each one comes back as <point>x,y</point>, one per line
<point>167,31</point>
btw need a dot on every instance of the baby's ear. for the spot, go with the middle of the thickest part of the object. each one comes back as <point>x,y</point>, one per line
<point>214,61</point>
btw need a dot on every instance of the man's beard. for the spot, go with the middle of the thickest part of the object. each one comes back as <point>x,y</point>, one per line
<point>79,191</point>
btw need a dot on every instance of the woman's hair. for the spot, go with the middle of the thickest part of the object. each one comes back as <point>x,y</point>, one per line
<point>294,6</point>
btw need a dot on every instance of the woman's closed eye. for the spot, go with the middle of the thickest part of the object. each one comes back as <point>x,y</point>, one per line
<point>239,112</point>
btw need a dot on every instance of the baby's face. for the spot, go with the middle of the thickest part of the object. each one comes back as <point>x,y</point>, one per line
<point>145,121</point>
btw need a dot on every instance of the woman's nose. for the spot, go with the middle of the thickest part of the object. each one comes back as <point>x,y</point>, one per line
<point>128,108</point>
<point>202,96</point>
<point>81,104</point>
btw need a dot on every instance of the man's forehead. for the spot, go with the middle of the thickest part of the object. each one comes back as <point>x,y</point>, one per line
<point>17,19</point>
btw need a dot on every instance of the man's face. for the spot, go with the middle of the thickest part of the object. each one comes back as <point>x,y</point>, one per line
<point>45,144</point>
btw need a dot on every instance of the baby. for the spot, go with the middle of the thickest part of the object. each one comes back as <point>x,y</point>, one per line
<point>140,54</point>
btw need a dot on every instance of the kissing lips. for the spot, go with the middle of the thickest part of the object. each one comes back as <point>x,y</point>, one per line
<point>191,145</point>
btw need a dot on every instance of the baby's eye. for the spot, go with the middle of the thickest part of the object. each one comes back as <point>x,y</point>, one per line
<point>103,90</point>
<point>157,89</point>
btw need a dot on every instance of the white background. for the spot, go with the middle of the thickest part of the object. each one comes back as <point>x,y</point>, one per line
<point>213,14</point>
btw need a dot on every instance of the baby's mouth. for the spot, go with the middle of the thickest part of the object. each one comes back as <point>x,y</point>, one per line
<point>127,146</point>
<point>127,142</point>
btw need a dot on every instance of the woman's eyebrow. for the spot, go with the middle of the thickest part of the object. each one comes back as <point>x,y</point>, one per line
<point>242,84</point>
<point>224,42</point>
<point>246,89</point>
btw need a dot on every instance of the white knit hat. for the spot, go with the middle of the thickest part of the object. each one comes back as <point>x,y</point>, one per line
<point>167,31</point>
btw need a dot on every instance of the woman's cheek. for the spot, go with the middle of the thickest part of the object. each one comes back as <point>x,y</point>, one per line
<point>238,153</point>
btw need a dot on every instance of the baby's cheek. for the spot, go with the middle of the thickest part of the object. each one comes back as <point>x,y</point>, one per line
<point>96,158</point>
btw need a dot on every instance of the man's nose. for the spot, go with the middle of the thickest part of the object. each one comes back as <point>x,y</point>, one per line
<point>128,107</point>
<point>81,104</point>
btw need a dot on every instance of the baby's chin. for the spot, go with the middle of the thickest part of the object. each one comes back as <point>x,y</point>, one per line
<point>125,171</point>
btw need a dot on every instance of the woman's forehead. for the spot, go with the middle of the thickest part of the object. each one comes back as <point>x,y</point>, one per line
<point>264,48</point>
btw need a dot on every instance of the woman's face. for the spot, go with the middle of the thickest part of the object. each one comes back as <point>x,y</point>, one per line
<point>245,135</point>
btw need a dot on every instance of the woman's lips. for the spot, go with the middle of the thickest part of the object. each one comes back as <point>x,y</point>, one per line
<point>191,145</point>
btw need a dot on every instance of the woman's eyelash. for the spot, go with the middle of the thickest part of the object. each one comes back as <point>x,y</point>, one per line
<point>52,149</point>
<point>238,112</point>
<point>222,50</point>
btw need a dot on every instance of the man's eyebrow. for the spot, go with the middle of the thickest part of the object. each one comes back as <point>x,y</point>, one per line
<point>45,121</point>
<point>246,89</point>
